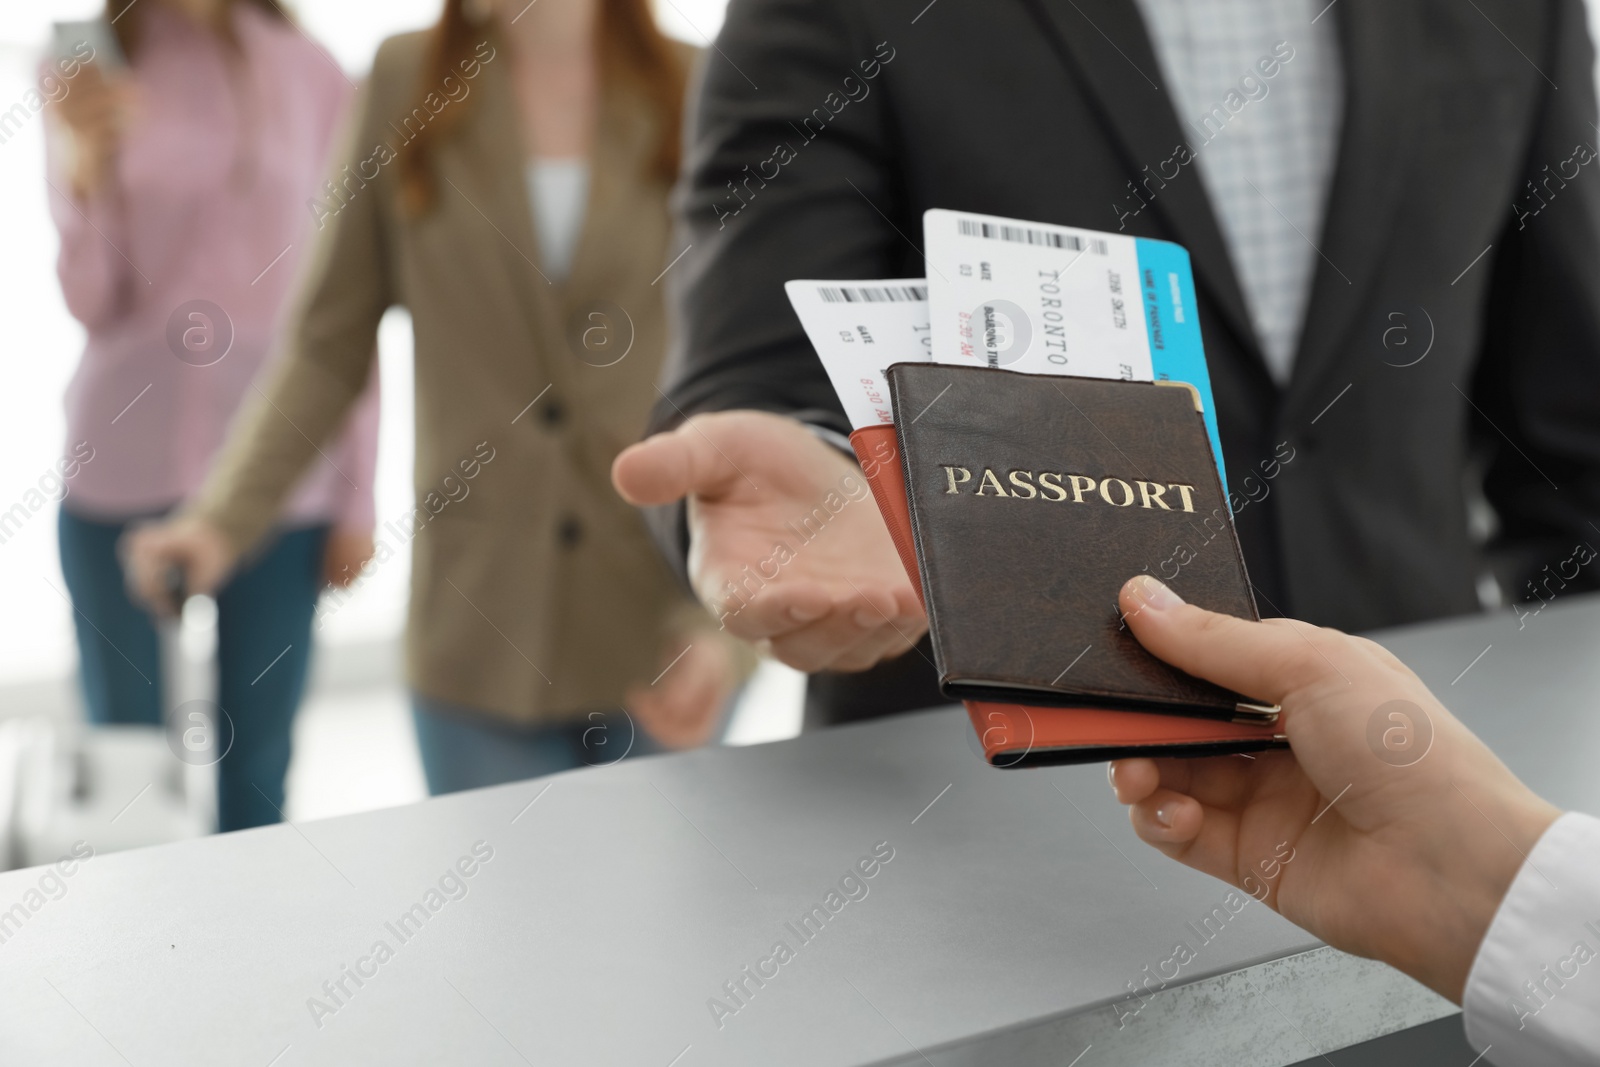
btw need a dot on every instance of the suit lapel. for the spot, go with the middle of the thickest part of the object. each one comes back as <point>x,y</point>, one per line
<point>490,169</point>
<point>487,162</point>
<point>1106,42</point>
<point>484,168</point>
<point>1381,42</point>
<point>622,136</point>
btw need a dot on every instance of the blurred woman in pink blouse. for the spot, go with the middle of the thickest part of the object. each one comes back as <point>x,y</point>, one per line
<point>180,188</point>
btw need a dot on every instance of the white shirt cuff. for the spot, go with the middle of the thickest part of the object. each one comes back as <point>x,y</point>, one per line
<point>1533,995</point>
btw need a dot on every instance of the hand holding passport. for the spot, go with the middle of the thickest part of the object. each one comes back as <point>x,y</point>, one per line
<point>1021,502</point>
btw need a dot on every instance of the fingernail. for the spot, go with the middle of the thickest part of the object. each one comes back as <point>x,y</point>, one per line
<point>1164,817</point>
<point>1155,595</point>
<point>1111,775</point>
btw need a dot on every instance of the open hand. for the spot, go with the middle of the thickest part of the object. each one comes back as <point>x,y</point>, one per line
<point>786,543</point>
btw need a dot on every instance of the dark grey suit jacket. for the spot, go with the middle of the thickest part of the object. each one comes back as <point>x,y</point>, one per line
<point>1434,242</point>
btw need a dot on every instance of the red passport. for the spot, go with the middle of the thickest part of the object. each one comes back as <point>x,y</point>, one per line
<point>1017,735</point>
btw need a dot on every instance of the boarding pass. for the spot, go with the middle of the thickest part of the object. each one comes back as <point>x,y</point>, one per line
<point>1025,296</point>
<point>1048,299</point>
<point>860,327</point>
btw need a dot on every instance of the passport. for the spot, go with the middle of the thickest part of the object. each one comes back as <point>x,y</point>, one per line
<point>1030,500</point>
<point>1016,735</point>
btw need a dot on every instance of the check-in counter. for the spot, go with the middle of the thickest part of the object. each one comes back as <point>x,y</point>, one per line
<point>872,894</point>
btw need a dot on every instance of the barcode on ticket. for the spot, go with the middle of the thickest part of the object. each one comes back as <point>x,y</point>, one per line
<point>872,294</point>
<point>1025,235</point>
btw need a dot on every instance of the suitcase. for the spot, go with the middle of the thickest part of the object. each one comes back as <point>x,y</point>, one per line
<point>117,787</point>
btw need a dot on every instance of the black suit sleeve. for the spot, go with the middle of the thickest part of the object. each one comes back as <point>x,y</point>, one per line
<point>1537,391</point>
<point>788,174</point>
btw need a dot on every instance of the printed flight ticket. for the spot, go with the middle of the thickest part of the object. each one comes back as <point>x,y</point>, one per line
<point>858,329</point>
<point>1048,299</point>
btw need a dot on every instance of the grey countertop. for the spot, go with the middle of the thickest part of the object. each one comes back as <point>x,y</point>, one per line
<point>1015,910</point>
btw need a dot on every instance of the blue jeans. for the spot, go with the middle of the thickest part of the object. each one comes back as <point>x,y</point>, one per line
<point>463,748</point>
<point>263,612</point>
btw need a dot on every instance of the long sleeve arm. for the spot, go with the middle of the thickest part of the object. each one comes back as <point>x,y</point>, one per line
<point>794,180</point>
<point>1533,995</point>
<point>356,451</point>
<point>785,182</point>
<point>357,456</point>
<point>1538,388</point>
<point>292,414</point>
<point>93,271</point>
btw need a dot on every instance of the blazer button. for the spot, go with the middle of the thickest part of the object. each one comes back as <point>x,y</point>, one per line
<point>555,413</point>
<point>569,531</point>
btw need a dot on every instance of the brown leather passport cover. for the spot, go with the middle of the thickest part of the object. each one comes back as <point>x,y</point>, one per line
<point>1033,498</point>
<point>1013,735</point>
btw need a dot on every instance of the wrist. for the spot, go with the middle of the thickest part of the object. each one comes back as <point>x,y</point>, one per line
<point>1472,869</point>
<point>226,542</point>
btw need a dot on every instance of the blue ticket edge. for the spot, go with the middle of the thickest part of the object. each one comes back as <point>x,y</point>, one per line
<point>1172,321</point>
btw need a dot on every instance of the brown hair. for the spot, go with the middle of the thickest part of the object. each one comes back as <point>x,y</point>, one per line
<point>632,50</point>
<point>127,20</point>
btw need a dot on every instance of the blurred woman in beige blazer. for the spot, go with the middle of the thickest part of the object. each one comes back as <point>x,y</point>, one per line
<point>506,180</point>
